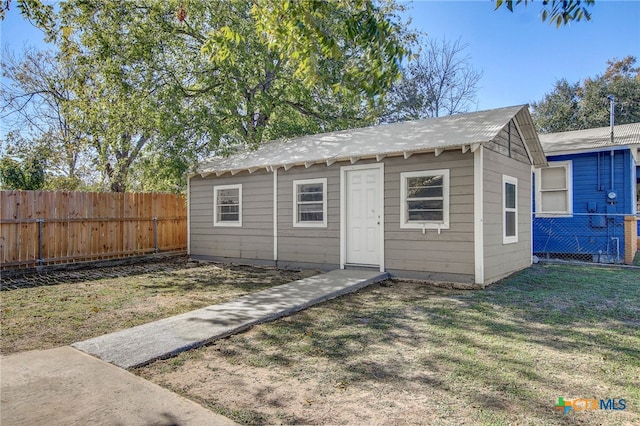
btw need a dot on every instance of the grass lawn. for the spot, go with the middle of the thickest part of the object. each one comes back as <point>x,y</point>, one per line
<point>78,308</point>
<point>408,353</point>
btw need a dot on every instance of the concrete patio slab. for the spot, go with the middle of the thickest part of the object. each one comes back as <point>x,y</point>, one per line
<point>164,338</point>
<point>64,386</point>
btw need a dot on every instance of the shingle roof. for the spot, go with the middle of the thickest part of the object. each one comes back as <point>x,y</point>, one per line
<point>589,139</point>
<point>391,139</point>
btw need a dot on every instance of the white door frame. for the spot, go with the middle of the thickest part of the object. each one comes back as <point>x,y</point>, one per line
<point>343,211</point>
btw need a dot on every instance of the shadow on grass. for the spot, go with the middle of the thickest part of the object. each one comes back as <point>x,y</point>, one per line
<point>493,349</point>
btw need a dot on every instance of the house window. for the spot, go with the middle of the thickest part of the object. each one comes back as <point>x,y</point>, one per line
<point>510,209</point>
<point>553,189</point>
<point>424,199</point>
<point>227,205</point>
<point>310,202</point>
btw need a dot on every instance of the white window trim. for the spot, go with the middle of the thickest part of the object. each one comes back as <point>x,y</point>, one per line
<point>568,166</point>
<point>318,224</point>
<point>427,224</point>
<point>218,223</point>
<point>508,239</point>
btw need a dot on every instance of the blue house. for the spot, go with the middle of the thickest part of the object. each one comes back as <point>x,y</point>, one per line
<point>582,197</point>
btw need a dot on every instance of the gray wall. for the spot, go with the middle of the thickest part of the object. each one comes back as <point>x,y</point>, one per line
<point>449,253</point>
<point>309,245</point>
<point>502,259</point>
<point>254,240</point>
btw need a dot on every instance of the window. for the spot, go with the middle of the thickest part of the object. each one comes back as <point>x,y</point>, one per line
<point>424,199</point>
<point>553,189</point>
<point>227,205</point>
<point>510,209</point>
<point>310,203</point>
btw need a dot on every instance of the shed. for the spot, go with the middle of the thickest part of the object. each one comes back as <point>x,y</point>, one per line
<point>583,195</point>
<point>446,199</point>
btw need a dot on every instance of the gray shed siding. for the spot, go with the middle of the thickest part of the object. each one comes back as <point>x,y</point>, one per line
<point>449,255</point>
<point>309,246</point>
<point>502,259</point>
<point>254,240</point>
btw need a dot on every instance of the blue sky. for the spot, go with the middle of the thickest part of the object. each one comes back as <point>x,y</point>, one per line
<point>520,56</point>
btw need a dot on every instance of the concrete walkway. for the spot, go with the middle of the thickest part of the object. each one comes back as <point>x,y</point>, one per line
<point>161,339</point>
<point>64,386</point>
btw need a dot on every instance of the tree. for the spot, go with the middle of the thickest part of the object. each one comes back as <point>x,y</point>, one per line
<point>562,12</point>
<point>305,33</point>
<point>22,175</point>
<point>586,105</point>
<point>34,94</point>
<point>441,81</point>
<point>161,84</point>
<point>559,111</point>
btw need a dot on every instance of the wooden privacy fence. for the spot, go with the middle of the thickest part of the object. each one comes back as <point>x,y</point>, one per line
<point>41,227</point>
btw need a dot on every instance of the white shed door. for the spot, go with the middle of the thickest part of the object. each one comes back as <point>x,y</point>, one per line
<point>363,216</point>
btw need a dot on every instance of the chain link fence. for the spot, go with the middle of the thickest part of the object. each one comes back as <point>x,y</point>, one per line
<point>587,237</point>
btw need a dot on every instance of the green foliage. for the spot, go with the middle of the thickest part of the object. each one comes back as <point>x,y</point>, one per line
<point>34,11</point>
<point>357,34</point>
<point>156,86</point>
<point>585,105</point>
<point>560,12</point>
<point>26,175</point>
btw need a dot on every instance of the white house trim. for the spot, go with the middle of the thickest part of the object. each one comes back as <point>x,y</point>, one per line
<point>189,216</point>
<point>275,214</point>
<point>218,223</point>
<point>478,214</point>
<point>296,223</point>
<point>568,167</point>
<point>431,224</point>
<point>514,238</point>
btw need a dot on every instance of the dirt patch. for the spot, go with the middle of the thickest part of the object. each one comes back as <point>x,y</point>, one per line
<point>408,353</point>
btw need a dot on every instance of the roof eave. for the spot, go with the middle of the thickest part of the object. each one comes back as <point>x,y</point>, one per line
<point>532,143</point>
<point>353,158</point>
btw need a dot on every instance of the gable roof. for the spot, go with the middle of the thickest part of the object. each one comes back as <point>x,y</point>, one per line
<point>428,135</point>
<point>591,139</point>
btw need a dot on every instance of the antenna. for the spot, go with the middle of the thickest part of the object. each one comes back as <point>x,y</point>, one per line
<point>612,114</point>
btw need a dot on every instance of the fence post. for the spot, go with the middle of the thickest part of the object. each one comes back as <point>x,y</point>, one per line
<point>155,234</point>
<point>630,239</point>
<point>40,242</point>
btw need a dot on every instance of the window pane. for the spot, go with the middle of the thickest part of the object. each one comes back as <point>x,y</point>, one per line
<point>553,178</point>
<point>413,182</point>
<point>310,204</point>
<point>554,201</point>
<point>315,207</point>
<point>424,215</point>
<point>228,196</point>
<point>228,205</point>
<point>425,186</point>
<point>310,187</point>
<point>229,209</point>
<point>510,224</point>
<point>310,217</point>
<point>425,205</point>
<point>425,192</point>
<point>510,195</point>
<point>229,217</point>
<point>311,196</point>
